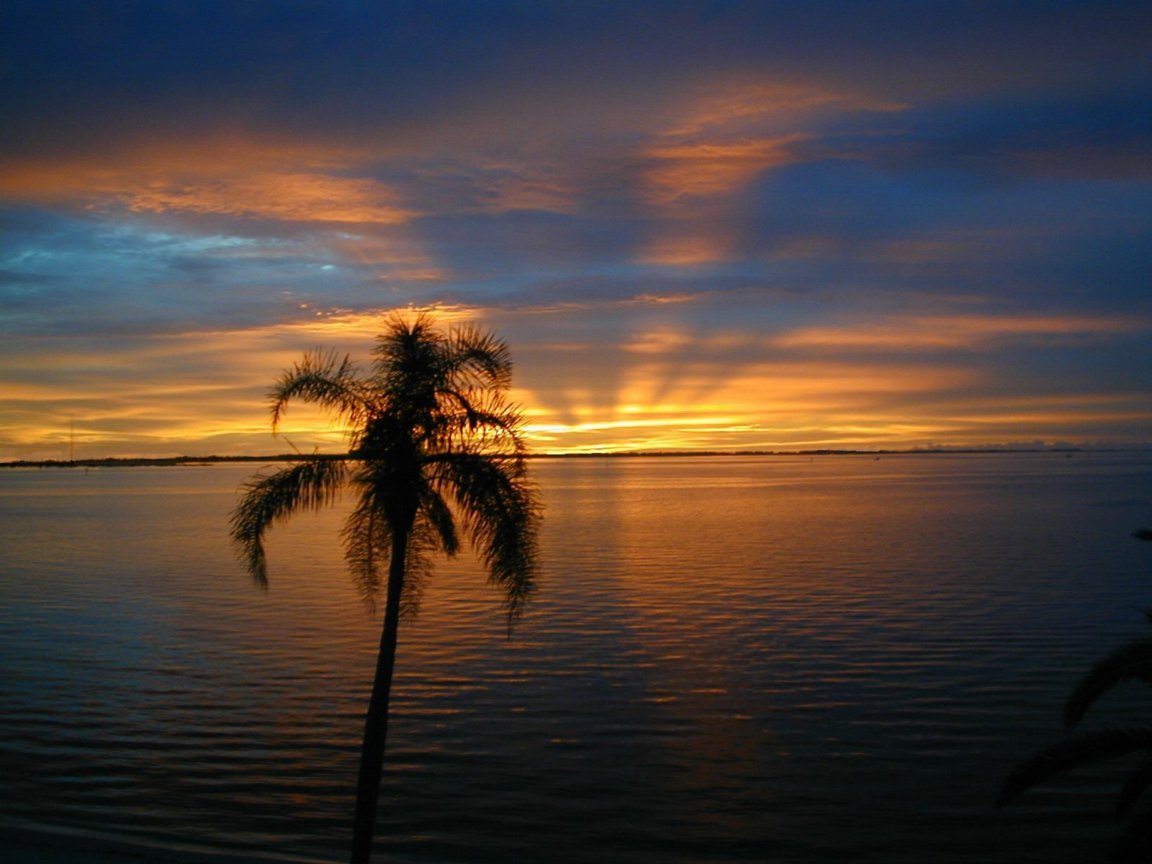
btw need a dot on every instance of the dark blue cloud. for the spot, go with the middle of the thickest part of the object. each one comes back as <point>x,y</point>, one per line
<point>89,72</point>
<point>1087,136</point>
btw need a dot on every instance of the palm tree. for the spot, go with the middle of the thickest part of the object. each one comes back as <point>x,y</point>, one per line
<point>433,442</point>
<point>1132,661</point>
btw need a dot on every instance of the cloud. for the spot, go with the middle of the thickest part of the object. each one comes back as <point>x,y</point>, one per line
<point>695,222</point>
<point>290,196</point>
<point>968,332</point>
<point>764,406</point>
<point>1022,135</point>
<point>733,108</point>
<point>660,386</point>
<point>705,170</point>
<point>215,176</point>
<point>698,172</point>
<point>170,390</point>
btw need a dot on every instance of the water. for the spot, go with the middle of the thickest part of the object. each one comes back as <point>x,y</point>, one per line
<point>729,660</point>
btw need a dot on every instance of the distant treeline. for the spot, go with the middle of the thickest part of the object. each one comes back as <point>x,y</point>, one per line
<point>132,462</point>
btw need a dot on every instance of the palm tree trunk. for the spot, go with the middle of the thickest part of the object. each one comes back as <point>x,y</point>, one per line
<point>376,719</point>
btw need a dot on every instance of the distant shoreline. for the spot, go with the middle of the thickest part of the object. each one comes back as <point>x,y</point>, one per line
<point>174,461</point>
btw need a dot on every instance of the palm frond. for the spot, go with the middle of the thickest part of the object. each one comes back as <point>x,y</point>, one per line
<point>479,357</point>
<point>1072,752</point>
<point>367,545</point>
<point>306,485</point>
<point>422,542</point>
<point>478,422</point>
<point>1134,787</point>
<point>430,419</point>
<point>324,379</point>
<point>1130,661</point>
<point>409,363</point>
<point>501,516</point>
<point>368,550</point>
<point>439,517</point>
<point>1134,845</point>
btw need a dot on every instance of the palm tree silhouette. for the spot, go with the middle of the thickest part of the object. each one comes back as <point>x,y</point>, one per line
<point>432,442</point>
<point>1132,661</point>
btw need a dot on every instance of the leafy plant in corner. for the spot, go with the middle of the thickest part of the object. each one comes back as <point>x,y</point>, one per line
<point>1132,661</point>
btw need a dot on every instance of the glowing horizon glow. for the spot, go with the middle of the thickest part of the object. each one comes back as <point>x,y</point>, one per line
<point>660,403</point>
<point>814,405</point>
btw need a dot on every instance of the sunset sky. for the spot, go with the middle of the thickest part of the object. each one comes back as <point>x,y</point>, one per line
<point>722,225</point>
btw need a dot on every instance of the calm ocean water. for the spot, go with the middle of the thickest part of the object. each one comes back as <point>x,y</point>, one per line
<point>729,660</point>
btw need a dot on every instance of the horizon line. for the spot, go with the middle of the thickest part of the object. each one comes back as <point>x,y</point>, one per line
<point>129,461</point>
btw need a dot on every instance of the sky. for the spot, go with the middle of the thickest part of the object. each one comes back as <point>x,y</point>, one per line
<point>698,225</point>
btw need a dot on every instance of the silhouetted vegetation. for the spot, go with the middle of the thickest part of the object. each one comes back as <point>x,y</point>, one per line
<point>161,461</point>
<point>432,442</point>
<point>1132,661</point>
<point>137,461</point>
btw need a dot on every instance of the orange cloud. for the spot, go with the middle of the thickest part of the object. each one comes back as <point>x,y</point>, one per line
<point>669,389</point>
<point>919,333</point>
<point>681,397</point>
<point>394,254</point>
<point>292,197</point>
<point>732,107</point>
<point>673,389</point>
<point>710,169</point>
<point>724,137</point>
<point>687,247</point>
<point>224,176</point>
<point>167,394</point>
<point>660,340</point>
<point>728,132</point>
<point>528,184</point>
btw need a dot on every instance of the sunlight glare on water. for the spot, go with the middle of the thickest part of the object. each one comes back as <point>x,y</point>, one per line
<point>729,659</point>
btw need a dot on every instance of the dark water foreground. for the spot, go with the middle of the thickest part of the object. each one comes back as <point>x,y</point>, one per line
<point>730,660</point>
<point>24,846</point>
